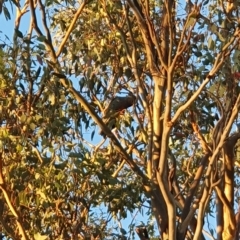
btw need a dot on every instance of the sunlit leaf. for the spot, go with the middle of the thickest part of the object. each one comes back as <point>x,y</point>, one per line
<point>38,236</point>
<point>211,43</point>
<point>190,21</point>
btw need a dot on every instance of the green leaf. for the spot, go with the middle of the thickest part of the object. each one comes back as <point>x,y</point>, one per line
<point>221,38</point>
<point>6,13</point>
<point>23,118</point>
<point>52,98</point>
<point>213,28</point>
<point>33,126</point>
<point>75,155</point>
<point>211,44</point>
<point>41,46</point>
<point>92,135</point>
<point>190,21</point>
<point>42,194</point>
<point>198,54</point>
<point>18,33</point>
<point>37,175</point>
<point>123,231</point>
<point>41,38</point>
<point>38,72</point>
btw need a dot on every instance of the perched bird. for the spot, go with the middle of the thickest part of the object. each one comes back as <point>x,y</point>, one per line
<point>116,108</point>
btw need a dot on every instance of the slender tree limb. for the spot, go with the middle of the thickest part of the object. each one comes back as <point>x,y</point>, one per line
<point>34,18</point>
<point>146,38</point>
<point>144,98</point>
<point>22,233</point>
<point>35,150</point>
<point>163,184</point>
<point>118,169</point>
<point>170,10</point>
<point>47,42</point>
<point>44,21</point>
<point>206,193</point>
<point>224,134</point>
<point>180,48</point>
<point>207,188</point>
<point>230,221</point>
<point>162,166</point>
<point>178,194</point>
<point>190,196</point>
<point>217,64</point>
<point>71,26</point>
<point>195,127</point>
<point>20,12</point>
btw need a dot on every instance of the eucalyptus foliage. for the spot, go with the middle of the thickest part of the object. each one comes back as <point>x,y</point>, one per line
<point>113,108</point>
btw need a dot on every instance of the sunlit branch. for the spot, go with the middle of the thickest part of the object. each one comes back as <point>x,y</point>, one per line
<point>148,33</point>
<point>225,133</point>
<point>201,138</point>
<point>163,183</point>
<point>182,47</point>
<point>206,193</point>
<point>207,188</point>
<point>118,169</point>
<point>192,192</point>
<point>217,64</point>
<point>37,153</point>
<point>170,9</point>
<point>9,203</point>
<point>144,99</point>
<point>71,26</point>
<point>20,13</point>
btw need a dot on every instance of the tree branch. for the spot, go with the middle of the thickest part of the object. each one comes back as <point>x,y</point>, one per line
<point>12,208</point>
<point>76,16</point>
<point>207,188</point>
<point>105,129</point>
<point>217,64</point>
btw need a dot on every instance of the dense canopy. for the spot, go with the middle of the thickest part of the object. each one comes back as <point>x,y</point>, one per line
<point>119,119</point>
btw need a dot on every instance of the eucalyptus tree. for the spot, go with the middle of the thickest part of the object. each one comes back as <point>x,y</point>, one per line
<point>120,104</point>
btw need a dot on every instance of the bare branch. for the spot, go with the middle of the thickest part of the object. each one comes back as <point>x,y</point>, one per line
<point>217,64</point>
<point>191,194</point>
<point>207,188</point>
